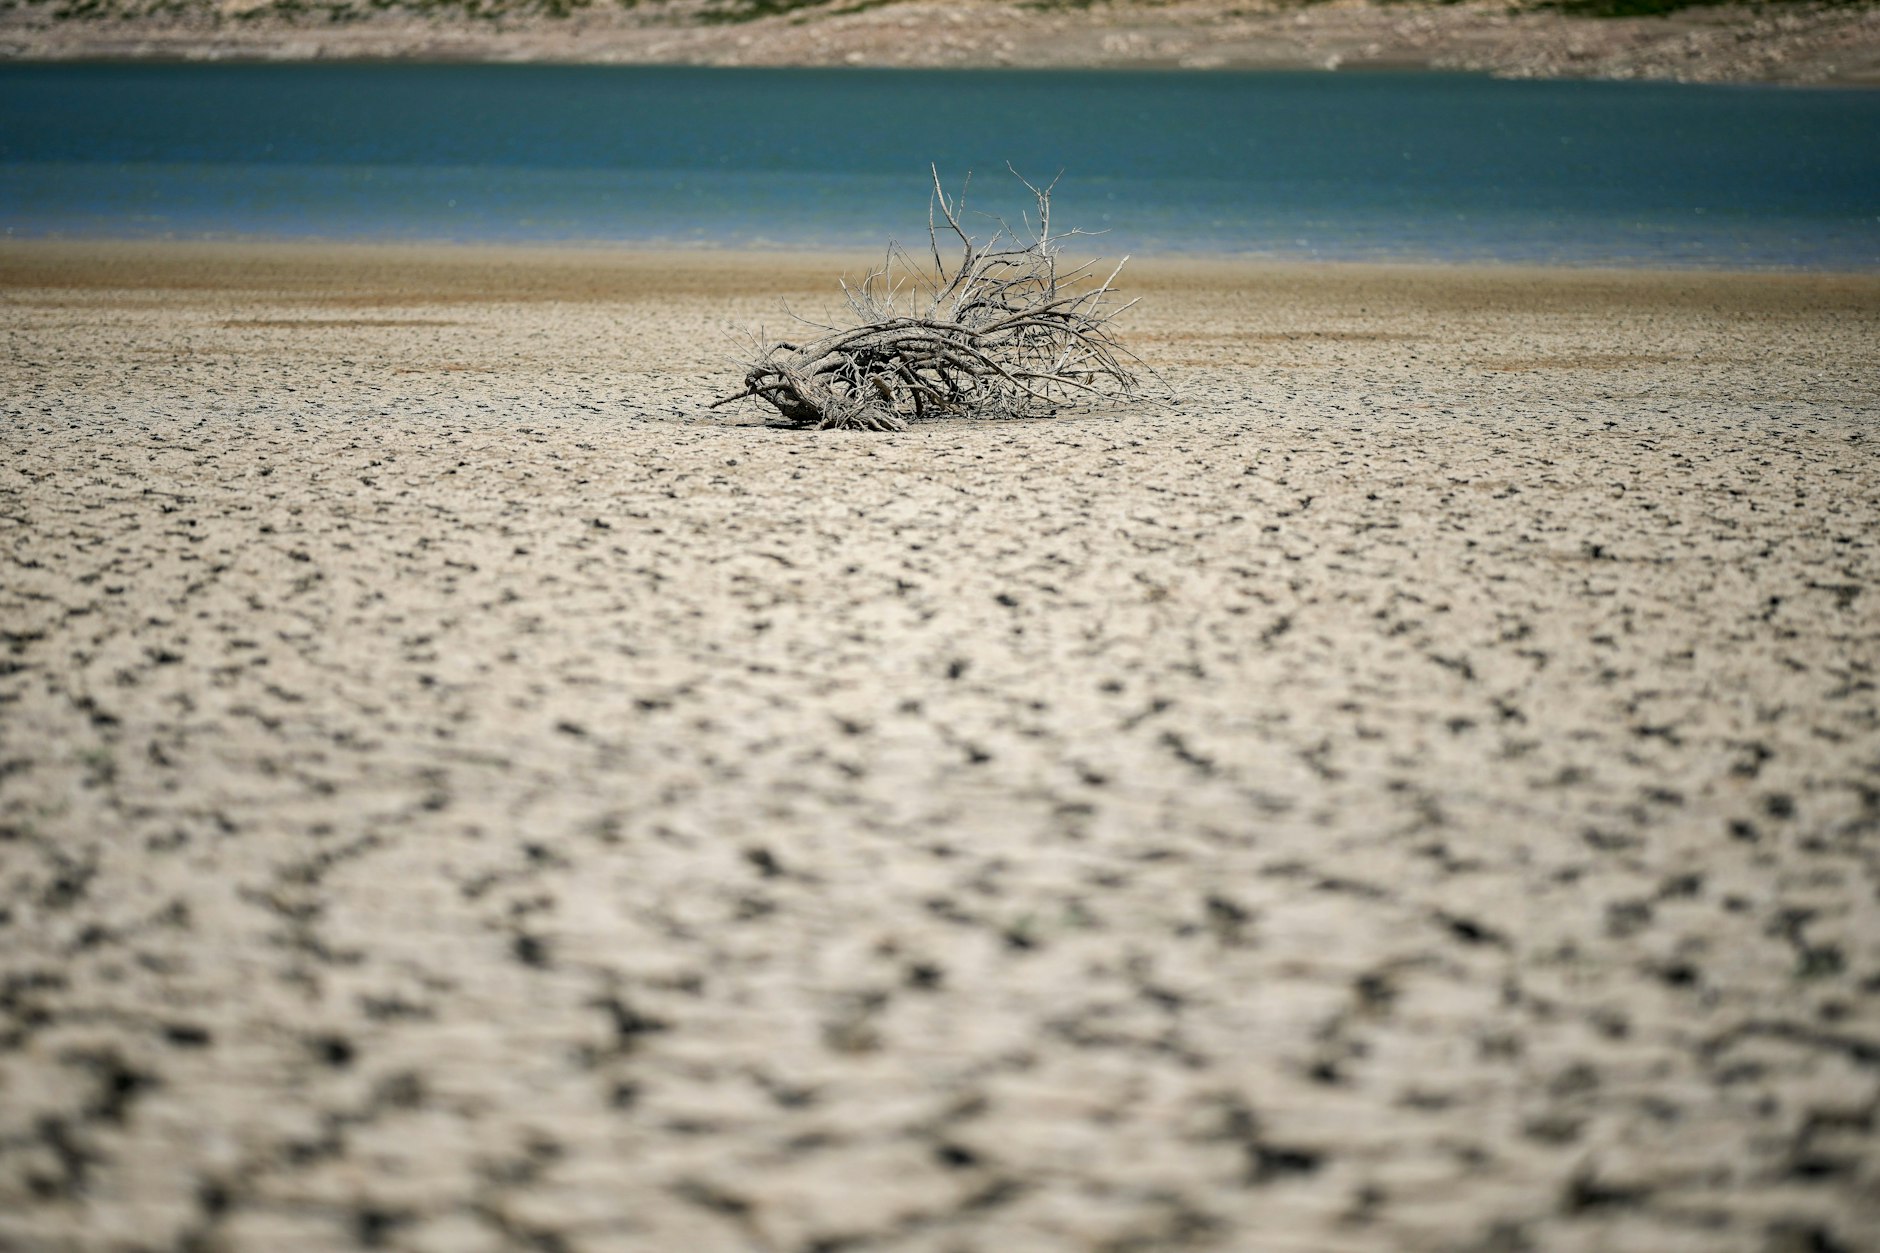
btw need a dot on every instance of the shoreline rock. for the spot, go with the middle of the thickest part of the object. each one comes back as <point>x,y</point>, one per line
<point>1791,43</point>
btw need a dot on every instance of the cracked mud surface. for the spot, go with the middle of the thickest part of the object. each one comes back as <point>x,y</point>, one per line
<point>1421,791</point>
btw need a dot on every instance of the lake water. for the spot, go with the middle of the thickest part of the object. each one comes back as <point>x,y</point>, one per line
<point>1344,166</point>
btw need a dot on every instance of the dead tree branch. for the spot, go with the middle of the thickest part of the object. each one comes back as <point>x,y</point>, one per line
<point>1000,333</point>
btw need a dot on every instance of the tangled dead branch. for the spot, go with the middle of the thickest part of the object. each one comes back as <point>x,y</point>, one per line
<point>1001,333</point>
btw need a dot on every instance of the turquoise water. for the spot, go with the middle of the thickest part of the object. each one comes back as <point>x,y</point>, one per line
<point>1344,166</point>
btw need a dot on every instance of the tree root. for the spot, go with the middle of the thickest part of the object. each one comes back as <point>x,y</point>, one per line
<point>1001,333</point>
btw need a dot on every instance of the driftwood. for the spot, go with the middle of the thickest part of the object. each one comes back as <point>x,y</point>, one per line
<point>1001,333</point>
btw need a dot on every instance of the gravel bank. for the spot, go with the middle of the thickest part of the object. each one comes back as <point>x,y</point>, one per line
<point>1787,42</point>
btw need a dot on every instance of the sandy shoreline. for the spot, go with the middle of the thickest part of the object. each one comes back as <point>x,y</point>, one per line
<point>1417,791</point>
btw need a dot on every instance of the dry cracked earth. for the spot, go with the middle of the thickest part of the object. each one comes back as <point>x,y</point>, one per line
<point>1418,791</point>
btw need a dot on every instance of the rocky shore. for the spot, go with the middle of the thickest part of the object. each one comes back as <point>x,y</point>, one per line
<point>1795,43</point>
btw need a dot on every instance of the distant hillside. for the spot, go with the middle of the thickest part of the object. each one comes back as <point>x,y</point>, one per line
<point>1780,40</point>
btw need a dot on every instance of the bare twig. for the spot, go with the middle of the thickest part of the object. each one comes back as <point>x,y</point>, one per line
<point>1001,334</point>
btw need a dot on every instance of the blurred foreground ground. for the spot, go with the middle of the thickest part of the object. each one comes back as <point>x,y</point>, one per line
<point>1419,791</point>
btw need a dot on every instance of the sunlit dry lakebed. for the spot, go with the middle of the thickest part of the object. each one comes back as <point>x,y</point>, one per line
<point>1418,788</point>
